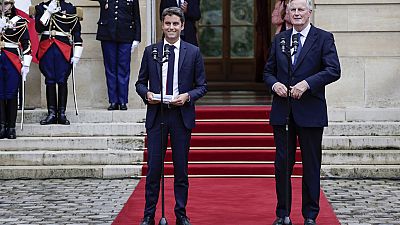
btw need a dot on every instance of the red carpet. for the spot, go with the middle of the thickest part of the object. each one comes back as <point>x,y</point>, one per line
<point>228,141</point>
<point>230,201</point>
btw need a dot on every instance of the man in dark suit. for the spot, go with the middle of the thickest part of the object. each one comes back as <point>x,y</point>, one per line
<point>119,32</point>
<point>183,79</point>
<point>191,8</point>
<point>314,66</point>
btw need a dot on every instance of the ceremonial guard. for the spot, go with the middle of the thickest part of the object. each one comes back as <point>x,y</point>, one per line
<point>60,49</point>
<point>119,32</point>
<point>15,59</point>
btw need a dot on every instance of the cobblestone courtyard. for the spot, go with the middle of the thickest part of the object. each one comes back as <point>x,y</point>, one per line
<point>92,201</point>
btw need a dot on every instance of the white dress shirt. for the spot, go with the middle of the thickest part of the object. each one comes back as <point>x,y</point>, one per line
<point>175,88</point>
<point>303,37</point>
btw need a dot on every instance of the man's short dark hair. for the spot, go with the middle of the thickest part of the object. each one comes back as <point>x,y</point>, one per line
<point>173,11</point>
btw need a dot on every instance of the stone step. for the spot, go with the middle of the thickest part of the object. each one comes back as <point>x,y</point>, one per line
<point>135,142</point>
<point>88,116</point>
<point>128,171</point>
<point>361,171</point>
<point>117,157</point>
<point>72,157</point>
<point>72,143</point>
<point>70,171</point>
<point>134,128</point>
<point>363,129</point>
<point>360,142</point>
<point>82,130</point>
<point>361,157</point>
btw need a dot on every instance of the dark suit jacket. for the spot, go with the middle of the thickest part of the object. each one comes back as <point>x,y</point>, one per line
<point>318,64</point>
<point>193,14</point>
<point>191,76</point>
<point>119,21</point>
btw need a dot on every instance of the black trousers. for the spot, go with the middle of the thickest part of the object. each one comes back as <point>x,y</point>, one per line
<point>310,140</point>
<point>180,144</point>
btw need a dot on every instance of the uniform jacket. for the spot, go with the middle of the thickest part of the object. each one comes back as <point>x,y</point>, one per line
<point>19,35</point>
<point>191,16</point>
<point>63,21</point>
<point>191,79</point>
<point>119,21</point>
<point>318,64</point>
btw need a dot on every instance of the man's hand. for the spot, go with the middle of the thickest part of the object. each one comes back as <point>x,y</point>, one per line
<point>150,99</point>
<point>297,90</point>
<point>52,7</point>
<point>24,72</point>
<point>74,61</point>
<point>3,23</point>
<point>180,100</point>
<point>184,6</point>
<point>280,89</point>
<point>134,46</point>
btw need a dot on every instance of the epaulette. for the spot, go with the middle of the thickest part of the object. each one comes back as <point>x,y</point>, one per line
<point>79,13</point>
<point>32,10</point>
<point>17,19</point>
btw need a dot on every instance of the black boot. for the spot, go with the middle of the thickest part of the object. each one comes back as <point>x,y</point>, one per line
<point>62,104</point>
<point>3,131</point>
<point>11,109</point>
<point>3,127</point>
<point>51,97</point>
<point>12,134</point>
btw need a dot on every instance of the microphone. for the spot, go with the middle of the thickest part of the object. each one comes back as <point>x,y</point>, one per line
<point>283,44</point>
<point>167,53</point>
<point>295,43</point>
<point>154,52</point>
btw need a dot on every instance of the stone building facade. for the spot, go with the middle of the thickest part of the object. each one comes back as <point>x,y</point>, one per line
<point>366,34</point>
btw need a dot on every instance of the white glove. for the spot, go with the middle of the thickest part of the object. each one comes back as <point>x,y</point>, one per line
<point>77,55</point>
<point>24,72</point>
<point>52,7</point>
<point>3,23</point>
<point>74,61</point>
<point>134,45</point>
<point>25,66</point>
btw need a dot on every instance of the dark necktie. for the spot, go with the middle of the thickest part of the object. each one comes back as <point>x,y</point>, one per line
<point>170,72</point>
<point>298,49</point>
<point>179,3</point>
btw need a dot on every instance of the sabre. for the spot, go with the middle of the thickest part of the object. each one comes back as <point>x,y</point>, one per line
<point>2,9</point>
<point>74,90</point>
<point>23,105</point>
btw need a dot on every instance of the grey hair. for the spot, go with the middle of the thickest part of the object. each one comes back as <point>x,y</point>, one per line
<point>309,4</point>
<point>173,11</point>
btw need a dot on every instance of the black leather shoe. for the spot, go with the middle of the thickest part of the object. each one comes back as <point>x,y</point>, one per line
<point>309,222</point>
<point>281,221</point>
<point>147,221</point>
<point>113,106</point>
<point>123,107</point>
<point>183,220</point>
<point>11,133</point>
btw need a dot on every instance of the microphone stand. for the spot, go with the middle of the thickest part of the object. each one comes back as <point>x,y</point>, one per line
<point>161,60</point>
<point>286,50</point>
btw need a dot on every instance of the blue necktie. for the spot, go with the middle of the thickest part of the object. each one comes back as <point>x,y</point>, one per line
<point>298,49</point>
<point>170,72</point>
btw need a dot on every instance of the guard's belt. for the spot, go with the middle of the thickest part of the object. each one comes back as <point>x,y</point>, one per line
<point>10,45</point>
<point>55,33</point>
